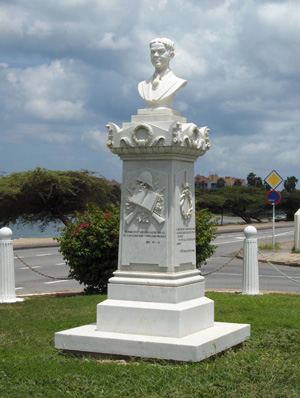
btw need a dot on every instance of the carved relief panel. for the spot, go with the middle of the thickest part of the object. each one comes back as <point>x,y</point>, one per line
<point>185,251</point>
<point>145,201</point>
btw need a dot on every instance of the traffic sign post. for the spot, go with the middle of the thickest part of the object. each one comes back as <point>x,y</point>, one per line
<point>273,179</point>
<point>273,225</point>
<point>274,198</point>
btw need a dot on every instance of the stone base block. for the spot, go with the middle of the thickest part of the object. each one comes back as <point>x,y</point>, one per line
<point>194,347</point>
<point>155,294</point>
<point>156,319</point>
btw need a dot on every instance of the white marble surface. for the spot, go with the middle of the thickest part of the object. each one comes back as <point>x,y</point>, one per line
<point>155,318</point>
<point>7,269</point>
<point>250,262</point>
<point>297,230</point>
<point>193,348</point>
<point>160,89</point>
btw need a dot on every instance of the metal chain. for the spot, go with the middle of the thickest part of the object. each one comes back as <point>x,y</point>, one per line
<point>40,273</point>
<point>223,265</point>
<point>279,271</point>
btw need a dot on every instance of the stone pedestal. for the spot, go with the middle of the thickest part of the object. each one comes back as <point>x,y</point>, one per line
<point>156,305</point>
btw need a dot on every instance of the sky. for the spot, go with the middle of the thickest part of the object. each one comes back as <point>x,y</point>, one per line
<point>69,67</point>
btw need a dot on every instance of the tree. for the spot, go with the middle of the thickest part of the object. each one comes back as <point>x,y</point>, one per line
<point>290,184</point>
<point>221,183</point>
<point>290,203</point>
<point>267,186</point>
<point>237,182</point>
<point>258,182</point>
<point>213,200</point>
<point>254,181</point>
<point>251,179</point>
<point>47,196</point>
<point>245,202</point>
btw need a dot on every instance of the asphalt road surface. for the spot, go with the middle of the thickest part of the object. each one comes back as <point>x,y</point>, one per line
<point>230,276</point>
<point>49,262</point>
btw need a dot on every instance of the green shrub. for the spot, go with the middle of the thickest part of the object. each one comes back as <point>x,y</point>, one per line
<point>89,245</point>
<point>205,233</point>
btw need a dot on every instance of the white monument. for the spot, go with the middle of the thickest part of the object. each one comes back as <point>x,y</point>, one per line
<point>156,305</point>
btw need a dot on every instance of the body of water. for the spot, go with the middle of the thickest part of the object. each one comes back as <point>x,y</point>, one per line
<point>34,231</point>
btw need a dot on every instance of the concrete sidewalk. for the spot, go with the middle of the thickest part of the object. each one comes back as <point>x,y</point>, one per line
<point>32,243</point>
<point>259,226</point>
<point>281,256</point>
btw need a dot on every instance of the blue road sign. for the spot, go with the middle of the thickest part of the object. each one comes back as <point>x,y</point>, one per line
<point>273,197</point>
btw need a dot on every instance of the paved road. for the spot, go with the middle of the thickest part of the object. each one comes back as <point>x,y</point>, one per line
<point>48,261</point>
<point>230,277</point>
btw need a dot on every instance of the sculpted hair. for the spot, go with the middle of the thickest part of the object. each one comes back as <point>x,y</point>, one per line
<point>169,44</point>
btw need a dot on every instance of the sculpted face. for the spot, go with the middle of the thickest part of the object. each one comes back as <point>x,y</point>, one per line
<point>160,57</point>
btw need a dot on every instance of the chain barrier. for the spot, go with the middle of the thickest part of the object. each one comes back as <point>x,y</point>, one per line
<point>236,255</point>
<point>279,271</point>
<point>39,272</point>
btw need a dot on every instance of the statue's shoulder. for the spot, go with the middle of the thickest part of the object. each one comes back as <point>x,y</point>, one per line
<point>143,85</point>
<point>145,82</point>
<point>177,80</point>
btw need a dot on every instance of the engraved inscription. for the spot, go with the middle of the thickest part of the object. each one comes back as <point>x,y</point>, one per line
<point>184,235</point>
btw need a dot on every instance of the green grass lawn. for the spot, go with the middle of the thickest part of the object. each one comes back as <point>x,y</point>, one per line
<point>267,365</point>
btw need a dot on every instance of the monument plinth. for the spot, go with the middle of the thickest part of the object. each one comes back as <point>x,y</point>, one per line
<point>156,305</point>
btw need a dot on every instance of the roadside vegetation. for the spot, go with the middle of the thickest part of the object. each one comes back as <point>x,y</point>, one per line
<point>265,366</point>
<point>45,196</point>
<point>269,246</point>
<point>249,202</point>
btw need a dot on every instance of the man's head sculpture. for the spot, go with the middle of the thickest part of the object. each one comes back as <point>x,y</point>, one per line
<point>160,89</point>
<point>161,51</point>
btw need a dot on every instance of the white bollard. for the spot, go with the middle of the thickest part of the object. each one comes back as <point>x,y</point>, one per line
<point>7,269</point>
<point>297,230</point>
<point>250,263</point>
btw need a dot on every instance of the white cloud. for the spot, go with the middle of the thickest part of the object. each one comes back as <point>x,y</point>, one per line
<point>50,92</point>
<point>110,41</point>
<point>72,66</point>
<point>95,139</point>
<point>58,110</point>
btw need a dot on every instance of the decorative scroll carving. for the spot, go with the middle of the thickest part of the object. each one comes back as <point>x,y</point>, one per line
<point>112,129</point>
<point>190,135</point>
<point>125,142</point>
<point>142,135</point>
<point>186,202</point>
<point>144,203</point>
<point>171,136</point>
<point>177,133</point>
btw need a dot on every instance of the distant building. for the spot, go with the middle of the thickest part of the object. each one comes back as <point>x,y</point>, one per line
<point>210,182</point>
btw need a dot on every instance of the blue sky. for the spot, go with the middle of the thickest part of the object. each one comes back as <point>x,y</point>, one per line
<point>67,68</point>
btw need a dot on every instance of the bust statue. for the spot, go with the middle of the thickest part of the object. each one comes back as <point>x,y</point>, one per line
<point>160,89</point>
